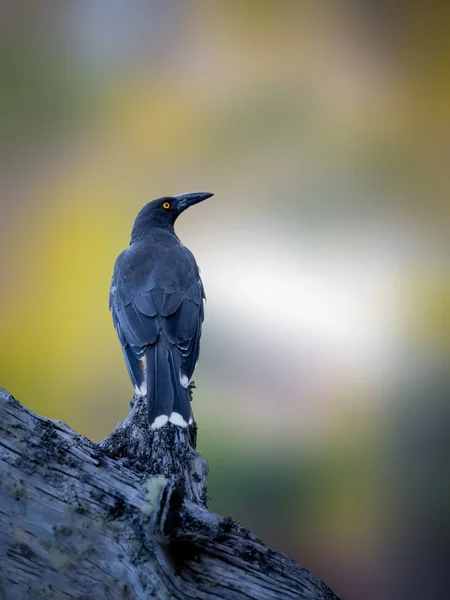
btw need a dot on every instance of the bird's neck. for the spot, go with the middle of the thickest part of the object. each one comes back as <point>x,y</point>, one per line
<point>141,231</point>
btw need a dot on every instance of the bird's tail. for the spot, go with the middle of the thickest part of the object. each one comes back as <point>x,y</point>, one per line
<point>167,397</point>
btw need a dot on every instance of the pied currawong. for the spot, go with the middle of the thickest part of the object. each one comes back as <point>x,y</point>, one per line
<point>156,300</point>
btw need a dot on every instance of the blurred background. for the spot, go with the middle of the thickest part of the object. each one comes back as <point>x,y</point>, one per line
<point>323,129</point>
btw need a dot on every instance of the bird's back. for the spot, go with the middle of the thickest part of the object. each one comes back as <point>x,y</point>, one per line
<point>159,260</point>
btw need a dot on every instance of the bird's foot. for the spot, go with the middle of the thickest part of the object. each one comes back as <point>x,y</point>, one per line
<point>190,389</point>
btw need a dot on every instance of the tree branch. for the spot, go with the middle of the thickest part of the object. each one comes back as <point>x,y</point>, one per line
<point>123,519</point>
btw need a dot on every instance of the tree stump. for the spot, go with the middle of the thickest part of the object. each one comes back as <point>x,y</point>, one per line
<point>124,519</point>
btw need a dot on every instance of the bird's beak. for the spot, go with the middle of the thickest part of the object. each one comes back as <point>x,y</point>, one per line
<point>186,200</point>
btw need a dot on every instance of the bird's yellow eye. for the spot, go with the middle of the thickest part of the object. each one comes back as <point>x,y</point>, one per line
<point>166,205</point>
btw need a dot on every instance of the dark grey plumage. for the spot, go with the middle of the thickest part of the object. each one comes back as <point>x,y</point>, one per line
<point>156,300</point>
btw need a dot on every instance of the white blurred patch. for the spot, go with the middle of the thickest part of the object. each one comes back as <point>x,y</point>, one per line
<point>335,299</point>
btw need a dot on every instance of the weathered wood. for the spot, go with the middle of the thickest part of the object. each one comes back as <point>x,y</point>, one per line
<point>124,519</point>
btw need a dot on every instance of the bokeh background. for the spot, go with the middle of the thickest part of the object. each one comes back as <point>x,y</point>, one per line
<point>323,129</point>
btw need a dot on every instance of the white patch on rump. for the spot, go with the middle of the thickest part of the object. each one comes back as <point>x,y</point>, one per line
<point>140,392</point>
<point>159,421</point>
<point>184,380</point>
<point>177,419</point>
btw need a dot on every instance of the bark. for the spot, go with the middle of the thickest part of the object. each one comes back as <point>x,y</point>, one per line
<point>123,519</point>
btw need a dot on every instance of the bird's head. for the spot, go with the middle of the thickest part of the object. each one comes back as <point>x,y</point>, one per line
<point>163,212</point>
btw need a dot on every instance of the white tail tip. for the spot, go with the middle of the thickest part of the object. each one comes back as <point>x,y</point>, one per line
<point>177,419</point>
<point>159,422</point>
<point>174,418</point>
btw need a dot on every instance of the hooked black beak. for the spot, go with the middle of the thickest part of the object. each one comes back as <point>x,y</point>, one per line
<point>186,200</point>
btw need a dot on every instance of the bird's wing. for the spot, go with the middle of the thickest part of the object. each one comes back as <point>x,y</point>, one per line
<point>162,297</point>
<point>182,325</point>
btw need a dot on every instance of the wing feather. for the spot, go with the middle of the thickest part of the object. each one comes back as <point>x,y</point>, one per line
<point>158,298</point>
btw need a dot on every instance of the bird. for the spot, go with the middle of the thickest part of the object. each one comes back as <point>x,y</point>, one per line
<point>157,303</point>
